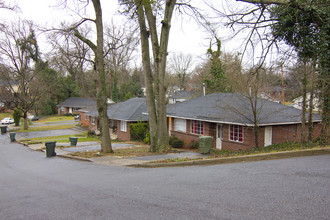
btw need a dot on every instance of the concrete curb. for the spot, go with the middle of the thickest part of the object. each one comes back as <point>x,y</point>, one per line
<point>249,158</point>
<point>73,158</point>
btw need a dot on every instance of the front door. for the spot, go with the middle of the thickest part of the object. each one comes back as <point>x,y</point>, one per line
<point>268,136</point>
<point>219,136</point>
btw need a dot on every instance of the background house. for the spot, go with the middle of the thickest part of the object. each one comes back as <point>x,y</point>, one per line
<point>121,115</point>
<point>73,105</point>
<point>181,96</point>
<point>228,118</point>
<point>297,102</point>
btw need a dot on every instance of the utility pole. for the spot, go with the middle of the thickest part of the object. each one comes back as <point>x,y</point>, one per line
<point>283,96</point>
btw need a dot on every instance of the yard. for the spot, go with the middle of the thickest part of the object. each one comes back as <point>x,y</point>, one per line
<point>5,115</point>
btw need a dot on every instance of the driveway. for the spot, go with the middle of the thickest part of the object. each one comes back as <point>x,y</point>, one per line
<point>92,146</point>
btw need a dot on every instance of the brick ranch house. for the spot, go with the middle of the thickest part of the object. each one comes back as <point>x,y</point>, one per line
<point>121,115</point>
<point>228,118</point>
<point>73,105</point>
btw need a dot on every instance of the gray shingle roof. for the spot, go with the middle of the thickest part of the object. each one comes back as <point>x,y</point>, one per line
<point>234,108</point>
<point>130,110</point>
<point>78,102</point>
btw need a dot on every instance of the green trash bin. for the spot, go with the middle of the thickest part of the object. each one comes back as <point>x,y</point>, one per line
<point>205,144</point>
<point>12,136</point>
<point>50,149</point>
<point>73,141</point>
<point>3,129</point>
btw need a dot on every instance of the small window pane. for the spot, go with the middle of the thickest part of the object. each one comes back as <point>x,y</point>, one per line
<point>180,125</point>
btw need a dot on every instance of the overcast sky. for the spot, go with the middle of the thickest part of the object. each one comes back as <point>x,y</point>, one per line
<point>186,36</point>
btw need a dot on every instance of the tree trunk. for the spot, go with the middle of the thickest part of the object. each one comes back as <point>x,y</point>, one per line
<point>26,123</point>
<point>303,114</point>
<point>102,91</point>
<point>324,97</point>
<point>311,106</point>
<point>155,86</point>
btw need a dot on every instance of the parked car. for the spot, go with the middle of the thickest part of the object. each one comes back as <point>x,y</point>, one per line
<point>7,121</point>
<point>33,117</point>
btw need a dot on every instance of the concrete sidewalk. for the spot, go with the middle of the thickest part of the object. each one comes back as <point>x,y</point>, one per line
<point>152,161</point>
<point>115,160</point>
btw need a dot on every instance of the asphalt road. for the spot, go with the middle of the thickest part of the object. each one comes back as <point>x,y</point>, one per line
<point>35,187</point>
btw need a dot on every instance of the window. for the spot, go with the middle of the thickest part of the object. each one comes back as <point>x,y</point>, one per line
<point>123,126</point>
<point>236,133</point>
<point>197,127</point>
<point>85,117</point>
<point>62,109</point>
<point>93,121</point>
<point>180,125</point>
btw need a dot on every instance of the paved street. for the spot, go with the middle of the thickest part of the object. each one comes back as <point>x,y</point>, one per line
<point>35,187</point>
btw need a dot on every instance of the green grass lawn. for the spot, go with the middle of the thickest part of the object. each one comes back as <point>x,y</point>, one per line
<point>54,118</point>
<point>60,139</point>
<point>45,128</point>
<point>5,115</point>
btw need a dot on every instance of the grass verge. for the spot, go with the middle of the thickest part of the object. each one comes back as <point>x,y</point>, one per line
<point>60,139</point>
<point>5,115</point>
<point>46,128</point>
<point>282,147</point>
<point>54,119</point>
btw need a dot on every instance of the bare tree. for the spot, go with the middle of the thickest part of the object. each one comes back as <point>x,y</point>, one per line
<point>72,57</point>
<point>4,5</point>
<point>181,65</point>
<point>17,48</point>
<point>98,51</point>
<point>120,43</point>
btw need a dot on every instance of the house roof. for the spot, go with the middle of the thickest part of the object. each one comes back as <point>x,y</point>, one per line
<point>130,110</point>
<point>233,108</point>
<point>78,102</point>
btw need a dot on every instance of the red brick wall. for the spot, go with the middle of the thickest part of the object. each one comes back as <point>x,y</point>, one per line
<point>83,121</point>
<point>280,134</point>
<point>283,133</point>
<point>88,122</point>
<point>123,135</point>
<point>65,111</point>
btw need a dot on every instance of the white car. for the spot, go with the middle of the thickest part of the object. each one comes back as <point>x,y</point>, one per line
<point>7,121</point>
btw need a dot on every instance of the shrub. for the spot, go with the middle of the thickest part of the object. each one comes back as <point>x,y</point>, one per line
<point>17,116</point>
<point>138,131</point>
<point>175,142</point>
<point>171,139</point>
<point>90,133</point>
<point>194,145</point>
<point>147,138</point>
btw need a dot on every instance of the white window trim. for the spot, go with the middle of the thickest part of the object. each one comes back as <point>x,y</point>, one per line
<point>93,120</point>
<point>180,125</point>
<point>123,126</point>
<point>237,141</point>
<point>191,122</point>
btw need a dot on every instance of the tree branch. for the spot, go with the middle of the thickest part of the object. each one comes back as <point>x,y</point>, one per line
<point>276,2</point>
<point>85,40</point>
